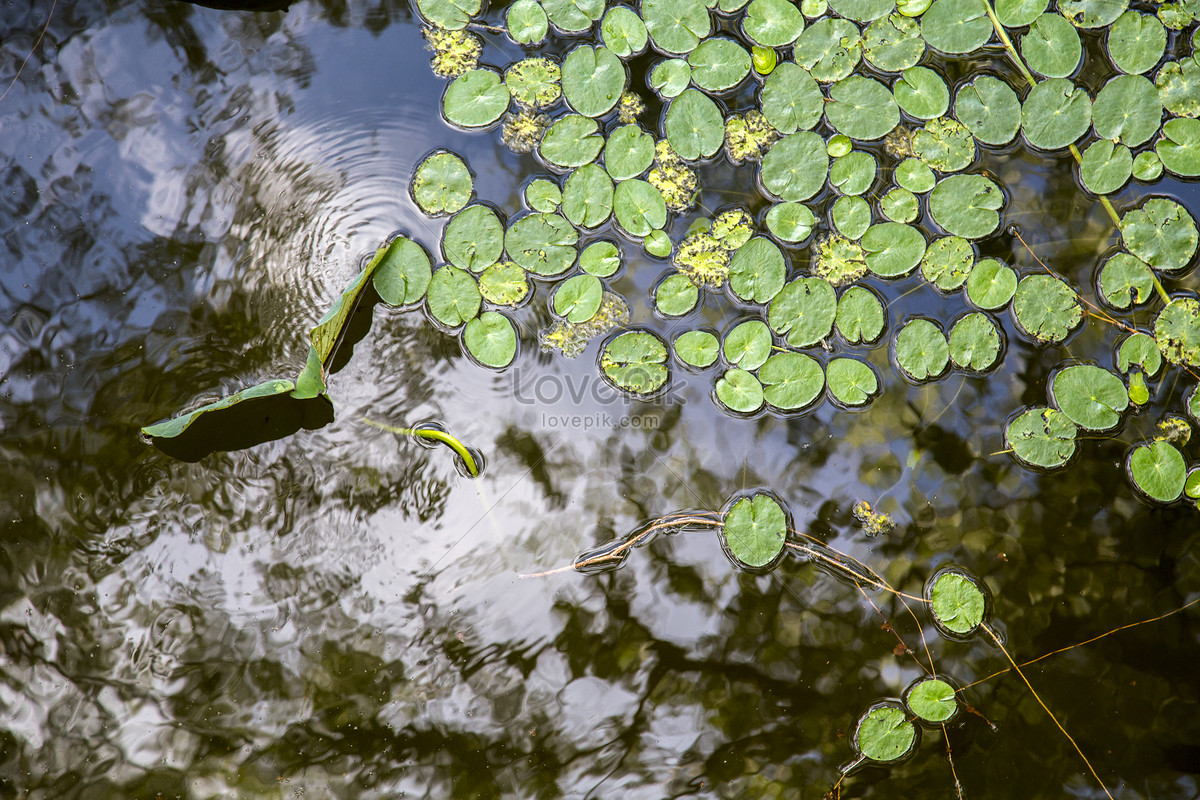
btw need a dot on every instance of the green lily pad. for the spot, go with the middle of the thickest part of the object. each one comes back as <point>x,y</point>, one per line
<point>573,16</point>
<point>944,144</point>
<point>628,153</point>
<point>884,735</point>
<point>527,22</point>
<point>694,125</point>
<point>860,316</point>
<point>862,108</point>
<point>638,207</point>
<point>1158,470</point>
<point>1162,233</point>
<point>1046,308</point>
<point>473,239</point>
<point>1055,114</point>
<point>790,222</point>
<point>1052,47</point>
<point>932,700</point>
<point>757,271</point>
<point>791,99</point>
<point>578,298</point>
<point>593,79</point>
<point>803,311</point>
<point>838,259</point>
<point>991,284</point>
<point>1042,437</point>
<point>1019,13</point>
<point>922,93</point>
<point>504,284</point>
<point>543,244</point>
<point>772,23</point>
<point>791,381</point>
<point>747,344</point>
<point>1136,42</point>
<point>588,196</point>
<point>862,10</point>
<point>1179,147</point>
<point>635,362</point>
<point>675,296</point>
<point>948,262</point>
<point>921,349</point>
<point>571,141</point>
<point>796,167</point>
<point>899,205</point>
<point>601,259</point>
<point>719,64</point>
<point>475,99</point>
<point>915,175</point>
<point>966,205</point>
<point>453,296</point>
<point>697,349</point>
<point>1091,397</point>
<point>851,216</point>
<point>676,26</point>
<point>402,273</point>
<point>442,184</point>
<point>853,173</point>
<point>1140,350</point>
<point>1106,167</point>
<point>990,109</point>
<point>1127,109</point>
<point>623,32</point>
<point>738,390</point>
<point>755,529</point>
<point>851,382</point>
<point>543,195</point>
<point>534,83</point>
<point>893,250</point>
<point>763,59</point>
<point>452,15</point>
<point>1147,167</point>
<point>1178,84</point>
<point>491,339</point>
<point>1092,13</point>
<point>893,43</point>
<point>670,77</point>
<point>957,602</point>
<point>956,26</point>
<point>1126,281</point>
<point>1177,331</point>
<point>169,429</point>
<point>829,49</point>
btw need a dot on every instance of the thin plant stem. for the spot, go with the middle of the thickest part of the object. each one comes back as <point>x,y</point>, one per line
<point>432,434</point>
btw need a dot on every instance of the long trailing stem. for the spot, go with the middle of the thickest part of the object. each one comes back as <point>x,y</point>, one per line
<point>432,434</point>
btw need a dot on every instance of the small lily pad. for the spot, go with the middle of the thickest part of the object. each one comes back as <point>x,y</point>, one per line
<point>588,196</point>
<point>1042,437</point>
<point>623,32</point>
<point>990,109</point>
<point>861,108</point>
<point>1141,350</point>
<point>475,99</point>
<point>795,168</point>
<point>860,316</point>
<point>1019,13</point>
<point>527,22</point>
<point>578,298</point>
<point>1158,470</point>
<point>1179,147</point>
<point>957,602</point>
<point>635,362</point>
<point>543,195</point>
<point>628,152</point>
<point>991,284</point>
<point>851,382</point>
<point>853,173</point>
<point>1091,397</point>
<point>670,77</point>
<point>948,262</point>
<point>1052,47</point>
<point>790,222</point>
<point>921,350</point>
<point>675,296</point>
<point>543,244</point>
<point>676,26</point>
<point>754,530</point>
<point>956,26</point>
<point>402,274</point>
<point>791,100</point>
<point>1161,233</point>
<point>719,64</point>
<point>573,16</point>
<point>899,205</point>
<point>504,284</point>
<point>791,381</point>
<point>694,125</point>
<point>1147,166</point>
<point>1127,109</point>
<point>602,259</point>
<point>473,239</point>
<point>772,23</point>
<point>1178,84</point>
<point>829,49</point>
<point>893,43</point>
<point>862,10</point>
<point>1092,13</point>
<point>932,700</point>
<point>757,271</point>
<point>944,144</point>
<point>453,297</point>
<point>491,339</point>
<point>738,390</point>
<point>884,734</point>
<point>571,141</point>
<point>1136,42</point>
<point>1177,331</point>
<point>747,344</point>
<point>639,207</point>
<point>1055,114</point>
<point>967,205</point>
<point>658,244</point>
<point>697,349</point>
<point>915,175</point>
<point>442,184</point>
<point>1126,281</point>
<point>892,249</point>
<point>534,83</point>
<point>851,216</point>
<point>1046,308</point>
<point>593,79</point>
<point>803,311</point>
<point>1106,167</point>
<point>452,15</point>
<point>975,342</point>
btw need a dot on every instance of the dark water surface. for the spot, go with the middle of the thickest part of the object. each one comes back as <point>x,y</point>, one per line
<point>184,191</point>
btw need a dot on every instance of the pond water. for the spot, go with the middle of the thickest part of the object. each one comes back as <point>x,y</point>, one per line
<point>342,614</point>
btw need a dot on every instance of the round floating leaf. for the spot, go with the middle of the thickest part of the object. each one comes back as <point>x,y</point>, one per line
<point>504,284</point>
<point>1019,13</point>
<point>922,93</point>
<point>804,311</point>
<point>956,26</point>
<point>795,168</point>
<point>1106,167</point>
<point>957,602</point>
<point>747,344</point>
<point>991,284</point>
<point>1091,397</point>
<point>1139,350</point>
<point>922,350</point>
<point>1191,486</point>
<point>975,342</point>
<point>571,141</point>
<point>790,222</point>
<point>899,205</point>
<point>452,15</point>
<point>757,271</point>
<point>1147,166</point>
<point>635,362</point>
<point>763,59</point>
<point>1178,84</point>
<point>1055,114</point>
<point>475,99</point>
<point>851,382</point>
<point>948,262</point>
<point>755,529</point>
<point>791,381</point>
<point>676,296</point>
<point>697,349</point>
<point>915,175</point>
<point>676,26</point>
<point>402,277</point>
<point>670,77</point>
<point>474,238</point>
<point>884,735</point>
<point>813,8</point>
<point>534,82</point>
<point>944,144</point>
<point>829,49</point>
<point>1162,233</point>
<point>442,184</point>
<point>853,173</point>
<point>573,16</point>
<point>1092,13</point>
<point>990,109</point>
<point>601,259</point>
<point>791,99</point>
<point>588,196</point>
<point>862,10</point>
<point>1127,109</point>
<point>527,22</point>
<point>1046,308</point>
<point>719,63</point>
<point>966,205</point>
<point>1179,149</point>
<point>740,391</point>
<point>1052,48</point>
<point>1177,331</point>
<point>932,700</point>
<point>491,339</point>
<point>1136,42</point>
<point>893,250</point>
<point>544,244</point>
<point>772,23</point>
<point>628,152</point>
<point>862,108</point>
<point>1158,470</point>
<point>543,195</point>
<point>639,207</point>
<point>453,296</point>
<point>578,298</point>
<point>658,244</point>
<point>593,79</point>
<point>839,146</point>
<point>860,316</point>
<point>1126,281</point>
<point>851,216</point>
<point>1042,437</point>
<point>623,32</point>
<point>694,126</point>
<point>893,43</point>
